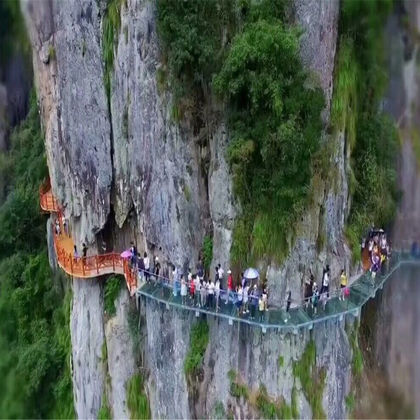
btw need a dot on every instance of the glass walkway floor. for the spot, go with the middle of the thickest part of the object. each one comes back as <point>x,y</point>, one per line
<point>361,290</point>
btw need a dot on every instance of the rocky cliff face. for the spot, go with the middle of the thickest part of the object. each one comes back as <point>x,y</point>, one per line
<point>125,163</point>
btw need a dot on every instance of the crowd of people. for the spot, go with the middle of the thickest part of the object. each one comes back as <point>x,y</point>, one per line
<point>196,289</point>
<point>377,248</point>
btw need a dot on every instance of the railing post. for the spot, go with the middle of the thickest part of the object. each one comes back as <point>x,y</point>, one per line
<point>71,264</point>
<point>83,265</point>
<point>97,267</point>
<point>113,262</point>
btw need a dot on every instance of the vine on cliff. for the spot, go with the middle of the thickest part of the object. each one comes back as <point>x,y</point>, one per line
<point>137,401</point>
<point>111,25</point>
<point>312,379</point>
<point>246,53</point>
<point>360,83</point>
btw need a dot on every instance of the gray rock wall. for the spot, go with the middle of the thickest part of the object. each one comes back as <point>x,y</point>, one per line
<point>136,160</point>
<point>252,354</point>
<point>87,340</point>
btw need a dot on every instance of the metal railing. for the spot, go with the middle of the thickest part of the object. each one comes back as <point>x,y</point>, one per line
<point>223,303</point>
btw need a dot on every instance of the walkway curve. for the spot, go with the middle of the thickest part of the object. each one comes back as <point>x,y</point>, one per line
<point>82,267</point>
<point>163,290</point>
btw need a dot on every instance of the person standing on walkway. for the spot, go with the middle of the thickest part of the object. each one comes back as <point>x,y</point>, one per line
<point>288,300</point>
<point>197,287</point>
<point>146,262</point>
<point>239,300</point>
<point>229,286</point>
<point>175,276</point>
<point>210,291</point>
<point>315,297</point>
<point>157,267</point>
<point>221,273</point>
<point>183,290</point>
<point>84,250</point>
<point>246,299</point>
<point>343,284</point>
<point>203,293</point>
<point>261,308</point>
<point>140,267</point>
<point>192,289</point>
<point>253,301</point>
<point>217,293</point>
<point>326,281</point>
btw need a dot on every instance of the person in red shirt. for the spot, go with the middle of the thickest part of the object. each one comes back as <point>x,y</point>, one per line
<point>229,285</point>
<point>192,288</point>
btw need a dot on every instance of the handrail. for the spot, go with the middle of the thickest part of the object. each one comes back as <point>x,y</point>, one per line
<point>83,267</point>
<point>165,290</point>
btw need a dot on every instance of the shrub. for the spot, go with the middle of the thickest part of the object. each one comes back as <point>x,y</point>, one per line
<point>112,291</point>
<point>207,251</point>
<point>137,401</point>
<point>276,126</point>
<point>360,83</point>
<point>199,339</point>
<point>312,379</point>
<point>111,25</point>
<point>104,412</point>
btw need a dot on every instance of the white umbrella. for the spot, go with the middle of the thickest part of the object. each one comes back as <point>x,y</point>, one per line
<point>251,274</point>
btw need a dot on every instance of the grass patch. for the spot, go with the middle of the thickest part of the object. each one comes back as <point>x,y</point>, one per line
<point>312,379</point>
<point>111,25</point>
<point>270,409</point>
<point>104,412</point>
<point>219,412</point>
<point>350,403</point>
<point>280,361</point>
<point>237,389</point>
<point>360,82</point>
<point>199,339</point>
<point>187,192</point>
<point>207,251</point>
<point>51,53</point>
<point>137,401</point>
<point>357,360</point>
<point>112,290</point>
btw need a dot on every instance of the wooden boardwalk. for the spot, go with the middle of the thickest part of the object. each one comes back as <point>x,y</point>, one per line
<point>82,267</point>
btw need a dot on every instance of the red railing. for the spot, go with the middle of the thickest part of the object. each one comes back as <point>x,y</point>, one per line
<point>84,267</point>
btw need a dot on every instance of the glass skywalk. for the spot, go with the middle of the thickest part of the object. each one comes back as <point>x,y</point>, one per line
<point>361,290</point>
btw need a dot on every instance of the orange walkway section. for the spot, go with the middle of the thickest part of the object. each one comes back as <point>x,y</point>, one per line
<point>82,267</point>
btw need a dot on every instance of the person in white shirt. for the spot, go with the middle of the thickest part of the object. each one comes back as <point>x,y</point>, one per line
<point>245,299</point>
<point>203,293</point>
<point>197,291</point>
<point>217,293</point>
<point>210,292</point>
<point>146,261</point>
<point>221,273</point>
<point>184,290</point>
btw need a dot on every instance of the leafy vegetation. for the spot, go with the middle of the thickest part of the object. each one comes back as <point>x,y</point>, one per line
<point>111,25</point>
<point>247,54</point>
<point>207,251</point>
<point>199,339</point>
<point>272,409</point>
<point>137,401</point>
<point>357,361</point>
<point>359,86</point>
<point>312,379</point>
<point>237,389</point>
<point>219,411</point>
<point>104,412</point>
<point>34,303</point>
<point>112,291</point>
